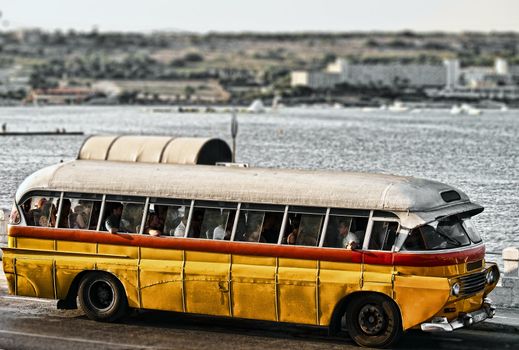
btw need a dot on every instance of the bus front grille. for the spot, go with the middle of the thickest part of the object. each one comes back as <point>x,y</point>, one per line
<point>472,284</point>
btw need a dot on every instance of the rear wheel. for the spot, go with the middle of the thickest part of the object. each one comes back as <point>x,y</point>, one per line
<point>373,321</point>
<point>102,297</point>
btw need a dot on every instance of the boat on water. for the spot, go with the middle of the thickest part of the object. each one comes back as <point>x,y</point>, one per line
<point>398,106</point>
<point>465,108</point>
<point>256,106</point>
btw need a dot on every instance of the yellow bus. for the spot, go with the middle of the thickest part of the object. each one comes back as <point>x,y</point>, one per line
<point>374,255</point>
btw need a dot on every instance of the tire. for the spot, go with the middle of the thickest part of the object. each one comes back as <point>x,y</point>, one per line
<point>102,297</point>
<point>373,320</point>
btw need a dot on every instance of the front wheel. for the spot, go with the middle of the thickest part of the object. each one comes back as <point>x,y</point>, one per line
<point>102,297</point>
<point>373,321</point>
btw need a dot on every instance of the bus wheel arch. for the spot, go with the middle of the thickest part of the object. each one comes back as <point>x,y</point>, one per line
<point>102,296</point>
<point>384,327</point>
<point>70,301</point>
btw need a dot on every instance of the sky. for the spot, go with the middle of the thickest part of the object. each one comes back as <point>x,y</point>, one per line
<point>262,15</point>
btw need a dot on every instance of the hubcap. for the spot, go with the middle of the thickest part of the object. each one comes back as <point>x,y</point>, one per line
<point>371,319</point>
<point>101,295</point>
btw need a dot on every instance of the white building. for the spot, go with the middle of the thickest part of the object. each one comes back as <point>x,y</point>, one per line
<point>453,73</point>
<point>501,66</point>
<point>400,75</point>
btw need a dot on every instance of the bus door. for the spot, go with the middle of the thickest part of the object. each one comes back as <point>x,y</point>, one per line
<point>377,268</point>
<point>207,274</point>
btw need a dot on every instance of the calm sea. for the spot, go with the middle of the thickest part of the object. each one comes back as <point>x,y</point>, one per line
<point>478,154</point>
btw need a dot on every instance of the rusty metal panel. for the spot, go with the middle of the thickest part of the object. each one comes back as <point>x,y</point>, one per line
<point>34,277</point>
<point>297,291</point>
<point>67,268</point>
<point>206,283</point>
<point>336,280</point>
<point>254,287</point>
<point>161,279</point>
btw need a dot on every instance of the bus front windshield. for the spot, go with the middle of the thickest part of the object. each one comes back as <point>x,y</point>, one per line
<point>446,233</point>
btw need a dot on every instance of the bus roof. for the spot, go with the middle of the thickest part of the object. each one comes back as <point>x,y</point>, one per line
<point>333,189</point>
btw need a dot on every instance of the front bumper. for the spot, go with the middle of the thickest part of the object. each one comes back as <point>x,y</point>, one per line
<point>441,324</point>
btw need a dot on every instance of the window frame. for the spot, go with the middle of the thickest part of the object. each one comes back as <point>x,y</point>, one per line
<point>369,230</point>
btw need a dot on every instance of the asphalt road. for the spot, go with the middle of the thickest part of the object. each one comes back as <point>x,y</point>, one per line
<point>37,324</point>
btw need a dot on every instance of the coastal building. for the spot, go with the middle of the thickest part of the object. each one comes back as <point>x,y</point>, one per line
<point>453,73</point>
<point>381,75</point>
<point>444,80</point>
<point>60,95</point>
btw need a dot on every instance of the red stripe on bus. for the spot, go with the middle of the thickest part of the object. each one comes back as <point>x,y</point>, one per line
<point>252,249</point>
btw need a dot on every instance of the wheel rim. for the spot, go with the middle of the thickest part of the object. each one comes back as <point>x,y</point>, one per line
<point>372,319</point>
<point>101,295</point>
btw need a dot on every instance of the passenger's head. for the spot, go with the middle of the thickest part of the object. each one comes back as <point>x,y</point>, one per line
<point>118,209</point>
<point>344,228</point>
<point>41,203</point>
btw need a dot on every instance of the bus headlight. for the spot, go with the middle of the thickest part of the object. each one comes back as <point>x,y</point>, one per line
<point>490,276</point>
<point>455,289</point>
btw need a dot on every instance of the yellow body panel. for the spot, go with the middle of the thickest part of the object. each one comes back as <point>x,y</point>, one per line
<point>76,247</point>
<point>419,297</point>
<point>297,291</point>
<point>206,283</point>
<point>336,280</point>
<point>35,243</point>
<point>67,268</point>
<point>160,276</point>
<point>253,287</point>
<point>35,276</point>
<point>9,271</point>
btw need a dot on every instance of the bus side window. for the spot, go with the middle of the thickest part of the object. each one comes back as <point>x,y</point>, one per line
<point>383,235</point>
<point>78,214</point>
<point>256,225</point>
<point>303,229</point>
<point>345,232</point>
<point>175,220</point>
<point>212,223</point>
<point>122,217</point>
<point>250,224</point>
<point>40,211</point>
<point>131,217</point>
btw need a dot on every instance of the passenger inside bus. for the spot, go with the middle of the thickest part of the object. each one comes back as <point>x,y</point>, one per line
<point>345,232</point>
<point>292,230</point>
<point>271,226</point>
<point>113,222</point>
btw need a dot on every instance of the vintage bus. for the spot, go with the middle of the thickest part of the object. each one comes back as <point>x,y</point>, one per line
<point>373,255</point>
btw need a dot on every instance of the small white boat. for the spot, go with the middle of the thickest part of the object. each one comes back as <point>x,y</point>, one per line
<point>398,106</point>
<point>465,109</point>
<point>468,109</point>
<point>256,107</point>
<point>456,110</point>
<point>504,108</point>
